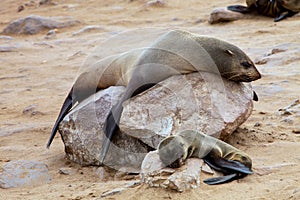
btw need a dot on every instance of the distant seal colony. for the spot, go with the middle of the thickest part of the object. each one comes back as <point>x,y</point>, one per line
<point>278,9</point>
<point>176,52</point>
<point>174,150</point>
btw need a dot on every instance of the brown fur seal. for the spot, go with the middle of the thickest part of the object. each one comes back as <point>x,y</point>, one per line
<point>176,52</point>
<point>278,9</point>
<point>174,150</point>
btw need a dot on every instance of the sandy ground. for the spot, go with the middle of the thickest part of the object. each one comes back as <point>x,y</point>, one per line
<point>40,72</point>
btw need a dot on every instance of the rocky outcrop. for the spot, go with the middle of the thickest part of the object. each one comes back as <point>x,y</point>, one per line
<point>184,178</point>
<point>23,173</point>
<point>199,101</point>
<point>34,24</point>
<point>81,131</point>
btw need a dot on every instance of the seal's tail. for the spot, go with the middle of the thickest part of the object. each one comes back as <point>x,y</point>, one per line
<point>67,105</point>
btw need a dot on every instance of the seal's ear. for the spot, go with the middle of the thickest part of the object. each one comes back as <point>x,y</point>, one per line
<point>229,52</point>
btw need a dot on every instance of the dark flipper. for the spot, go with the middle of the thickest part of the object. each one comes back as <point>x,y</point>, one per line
<point>239,8</point>
<point>284,16</point>
<point>110,127</point>
<point>255,97</point>
<point>233,169</point>
<point>67,105</point>
<point>221,179</point>
<point>113,119</point>
<point>227,166</point>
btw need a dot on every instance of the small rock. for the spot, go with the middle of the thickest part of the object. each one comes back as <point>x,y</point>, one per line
<point>22,173</point>
<point>34,24</point>
<point>7,48</point>
<point>296,130</point>
<point>277,50</point>
<point>257,124</point>
<point>89,29</point>
<point>21,8</point>
<point>31,110</point>
<point>101,173</point>
<point>155,3</point>
<point>223,15</point>
<point>65,171</point>
<point>119,190</point>
<point>262,61</point>
<point>51,34</point>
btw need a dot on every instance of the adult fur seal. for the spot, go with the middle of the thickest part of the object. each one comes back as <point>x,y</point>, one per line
<point>176,52</point>
<point>174,150</point>
<point>278,9</point>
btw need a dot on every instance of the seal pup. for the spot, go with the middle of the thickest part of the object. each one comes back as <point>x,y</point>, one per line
<point>278,9</point>
<point>235,164</point>
<point>176,52</point>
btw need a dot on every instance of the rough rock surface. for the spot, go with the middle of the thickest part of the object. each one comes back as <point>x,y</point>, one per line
<point>223,15</point>
<point>185,102</point>
<point>22,173</point>
<point>182,179</point>
<point>34,24</point>
<point>198,101</point>
<point>81,132</point>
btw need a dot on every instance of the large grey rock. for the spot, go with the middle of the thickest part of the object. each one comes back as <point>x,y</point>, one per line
<point>81,131</point>
<point>203,102</point>
<point>22,173</point>
<point>198,101</point>
<point>34,24</point>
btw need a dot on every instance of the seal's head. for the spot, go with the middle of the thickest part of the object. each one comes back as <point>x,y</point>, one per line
<point>232,62</point>
<point>172,151</point>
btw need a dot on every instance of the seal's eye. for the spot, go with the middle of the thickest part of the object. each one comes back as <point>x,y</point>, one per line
<point>229,52</point>
<point>247,64</point>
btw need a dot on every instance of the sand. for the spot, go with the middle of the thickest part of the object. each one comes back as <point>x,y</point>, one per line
<point>39,72</point>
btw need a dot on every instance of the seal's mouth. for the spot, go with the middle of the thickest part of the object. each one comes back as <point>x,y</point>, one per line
<point>245,77</point>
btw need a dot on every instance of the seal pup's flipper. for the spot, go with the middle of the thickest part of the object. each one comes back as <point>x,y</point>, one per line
<point>233,169</point>
<point>221,179</point>
<point>113,119</point>
<point>284,16</point>
<point>239,8</point>
<point>227,166</point>
<point>67,105</point>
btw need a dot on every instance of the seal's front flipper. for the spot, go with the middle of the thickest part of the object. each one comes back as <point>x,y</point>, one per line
<point>110,127</point>
<point>221,179</point>
<point>284,16</point>
<point>255,97</point>
<point>67,105</point>
<point>113,119</point>
<point>239,8</point>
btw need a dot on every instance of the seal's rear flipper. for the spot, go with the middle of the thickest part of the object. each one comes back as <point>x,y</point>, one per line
<point>221,179</point>
<point>67,105</point>
<point>239,8</point>
<point>285,15</point>
<point>227,166</point>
